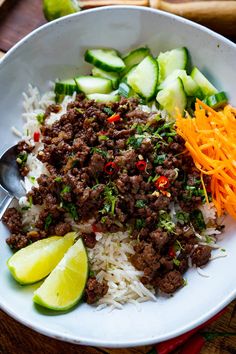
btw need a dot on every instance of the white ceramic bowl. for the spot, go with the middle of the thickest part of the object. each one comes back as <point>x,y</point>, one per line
<point>56,50</point>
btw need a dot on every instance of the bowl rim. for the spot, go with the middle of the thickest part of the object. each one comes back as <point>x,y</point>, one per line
<point>103,343</point>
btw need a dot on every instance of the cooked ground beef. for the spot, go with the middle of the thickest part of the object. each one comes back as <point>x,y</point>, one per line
<point>111,171</point>
<point>94,290</point>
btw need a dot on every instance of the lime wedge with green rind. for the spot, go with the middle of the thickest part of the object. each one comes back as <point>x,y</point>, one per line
<point>36,261</point>
<point>54,9</point>
<point>64,287</point>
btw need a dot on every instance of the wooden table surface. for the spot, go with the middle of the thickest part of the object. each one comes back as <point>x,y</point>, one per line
<point>20,18</point>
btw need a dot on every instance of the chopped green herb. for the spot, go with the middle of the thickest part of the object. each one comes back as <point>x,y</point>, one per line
<point>108,111</point>
<point>32,179</point>
<point>176,262</point>
<point>103,137</point>
<point>72,210</point>
<point>182,217</point>
<point>185,282</point>
<point>66,189</point>
<point>22,158</point>
<point>178,246</point>
<point>139,223</point>
<point>40,118</point>
<point>159,159</point>
<point>99,151</point>
<point>135,142</point>
<point>223,249</point>
<point>103,219</point>
<point>48,221</point>
<point>149,179</point>
<point>91,273</point>
<point>140,203</point>
<point>58,179</point>
<point>110,199</point>
<point>30,200</point>
<point>79,110</point>
<point>165,221</point>
<point>139,129</point>
<point>209,239</point>
<point>197,220</point>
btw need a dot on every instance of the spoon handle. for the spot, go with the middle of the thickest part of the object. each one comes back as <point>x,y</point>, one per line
<point>5,204</point>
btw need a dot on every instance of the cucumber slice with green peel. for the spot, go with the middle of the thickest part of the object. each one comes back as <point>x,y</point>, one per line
<point>171,60</point>
<point>190,86</point>
<point>125,90</point>
<point>143,79</point>
<point>91,84</point>
<point>135,57</point>
<point>102,97</point>
<point>173,97</point>
<point>216,101</point>
<point>66,87</point>
<point>105,59</point>
<point>206,87</point>
<point>125,77</point>
<point>114,77</point>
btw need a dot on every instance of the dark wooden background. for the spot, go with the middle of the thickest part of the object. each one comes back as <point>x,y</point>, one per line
<point>17,20</point>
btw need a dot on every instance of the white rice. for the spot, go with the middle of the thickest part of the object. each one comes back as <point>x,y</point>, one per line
<point>110,258</point>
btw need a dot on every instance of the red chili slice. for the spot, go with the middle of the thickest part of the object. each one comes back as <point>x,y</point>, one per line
<point>141,165</point>
<point>36,137</point>
<point>110,168</point>
<point>172,252</point>
<point>114,118</point>
<point>162,183</point>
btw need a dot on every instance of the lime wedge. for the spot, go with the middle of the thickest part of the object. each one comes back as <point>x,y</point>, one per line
<point>65,285</point>
<point>36,261</point>
<point>53,9</point>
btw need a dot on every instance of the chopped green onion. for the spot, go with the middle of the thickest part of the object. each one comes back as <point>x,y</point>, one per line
<point>99,151</point>
<point>40,118</point>
<point>176,262</point>
<point>140,203</point>
<point>108,111</point>
<point>103,137</point>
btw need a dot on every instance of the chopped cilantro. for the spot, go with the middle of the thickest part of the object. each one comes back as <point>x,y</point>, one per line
<point>197,220</point>
<point>159,159</point>
<point>140,203</point>
<point>108,111</point>
<point>139,129</point>
<point>99,151</point>
<point>139,223</point>
<point>58,179</point>
<point>66,189</point>
<point>72,210</point>
<point>48,221</point>
<point>103,137</point>
<point>135,142</point>
<point>182,217</point>
<point>110,199</point>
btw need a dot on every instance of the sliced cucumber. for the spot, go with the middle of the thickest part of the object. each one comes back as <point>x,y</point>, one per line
<point>171,60</point>
<point>114,77</point>
<point>125,77</point>
<point>205,85</point>
<point>173,97</point>
<point>125,90</point>
<point>66,87</point>
<point>143,79</point>
<point>135,57</point>
<point>102,97</point>
<point>90,84</point>
<point>105,59</point>
<point>216,101</point>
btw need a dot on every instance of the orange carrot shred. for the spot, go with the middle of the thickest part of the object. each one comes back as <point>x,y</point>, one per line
<point>210,138</point>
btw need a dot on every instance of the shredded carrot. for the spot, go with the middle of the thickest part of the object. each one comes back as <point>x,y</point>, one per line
<point>210,138</point>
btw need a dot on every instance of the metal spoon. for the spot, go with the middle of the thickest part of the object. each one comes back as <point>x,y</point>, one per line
<point>10,178</point>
